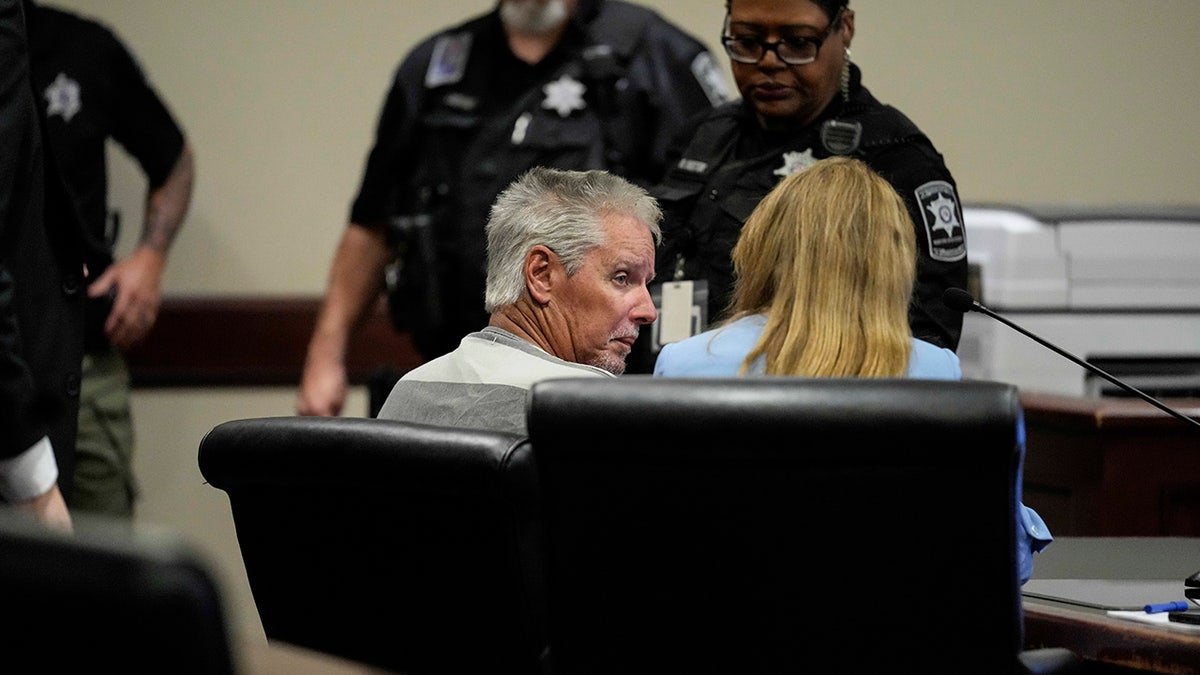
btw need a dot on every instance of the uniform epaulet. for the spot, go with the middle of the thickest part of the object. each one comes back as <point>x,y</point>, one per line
<point>620,25</point>
<point>883,126</point>
<point>713,132</point>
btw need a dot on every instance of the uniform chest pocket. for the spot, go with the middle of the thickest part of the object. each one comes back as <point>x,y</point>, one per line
<point>442,119</point>
<point>752,183</point>
<point>679,186</point>
<point>551,132</point>
<point>739,205</point>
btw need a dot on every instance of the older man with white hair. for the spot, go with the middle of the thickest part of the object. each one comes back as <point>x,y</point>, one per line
<point>570,257</point>
<point>570,84</point>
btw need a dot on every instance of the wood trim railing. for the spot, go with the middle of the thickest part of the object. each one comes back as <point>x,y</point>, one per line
<point>254,341</point>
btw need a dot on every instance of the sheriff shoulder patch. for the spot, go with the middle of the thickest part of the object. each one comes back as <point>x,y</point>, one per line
<point>942,216</point>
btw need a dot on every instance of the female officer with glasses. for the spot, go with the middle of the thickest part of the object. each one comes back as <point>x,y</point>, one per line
<point>802,100</point>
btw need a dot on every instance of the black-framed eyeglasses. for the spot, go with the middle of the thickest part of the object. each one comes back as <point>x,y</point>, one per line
<point>794,50</point>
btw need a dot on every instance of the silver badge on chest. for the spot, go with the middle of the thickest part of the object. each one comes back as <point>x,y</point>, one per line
<point>62,98</point>
<point>564,95</point>
<point>795,161</point>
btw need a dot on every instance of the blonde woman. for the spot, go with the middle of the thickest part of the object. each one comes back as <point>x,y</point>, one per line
<point>824,272</point>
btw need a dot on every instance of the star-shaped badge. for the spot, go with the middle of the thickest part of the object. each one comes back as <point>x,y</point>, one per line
<point>564,95</point>
<point>795,161</point>
<point>62,97</point>
<point>944,214</point>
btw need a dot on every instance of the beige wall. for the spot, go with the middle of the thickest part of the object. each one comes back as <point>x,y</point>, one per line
<point>1088,101</point>
<point>1091,101</point>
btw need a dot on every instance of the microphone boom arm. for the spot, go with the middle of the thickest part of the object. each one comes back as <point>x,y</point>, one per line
<point>1088,366</point>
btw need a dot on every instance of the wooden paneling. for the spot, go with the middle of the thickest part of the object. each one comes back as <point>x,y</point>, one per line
<point>232,341</point>
<point>1112,467</point>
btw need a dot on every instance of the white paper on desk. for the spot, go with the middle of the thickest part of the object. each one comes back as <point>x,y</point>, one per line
<point>1156,618</point>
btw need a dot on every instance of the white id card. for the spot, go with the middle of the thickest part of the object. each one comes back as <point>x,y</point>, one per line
<point>675,317</point>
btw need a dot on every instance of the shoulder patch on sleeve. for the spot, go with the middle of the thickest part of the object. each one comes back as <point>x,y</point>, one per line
<point>710,78</point>
<point>449,61</point>
<point>942,216</point>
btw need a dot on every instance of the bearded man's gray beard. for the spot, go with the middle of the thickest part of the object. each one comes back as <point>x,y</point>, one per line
<point>532,16</point>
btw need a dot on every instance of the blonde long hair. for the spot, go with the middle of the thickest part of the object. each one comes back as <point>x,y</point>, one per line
<point>829,256</point>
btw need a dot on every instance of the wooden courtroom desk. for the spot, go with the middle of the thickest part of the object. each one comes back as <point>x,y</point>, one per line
<point>1102,640</point>
<point>1112,466</point>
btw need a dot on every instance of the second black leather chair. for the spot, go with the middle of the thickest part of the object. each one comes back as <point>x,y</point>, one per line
<point>396,545</point>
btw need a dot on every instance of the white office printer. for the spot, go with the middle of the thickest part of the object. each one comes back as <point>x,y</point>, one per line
<point>1119,287</point>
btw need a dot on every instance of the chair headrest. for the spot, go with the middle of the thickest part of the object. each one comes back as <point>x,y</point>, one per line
<point>349,450</point>
<point>724,408</point>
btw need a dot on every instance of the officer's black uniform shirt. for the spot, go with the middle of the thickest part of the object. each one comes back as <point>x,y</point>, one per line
<point>90,88</point>
<point>505,79</point>
<point>706,207</point>
<point>510,76</point>
<point>444,151</point>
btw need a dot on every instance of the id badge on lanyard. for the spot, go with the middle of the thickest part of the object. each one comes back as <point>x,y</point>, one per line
<point>682,311</point>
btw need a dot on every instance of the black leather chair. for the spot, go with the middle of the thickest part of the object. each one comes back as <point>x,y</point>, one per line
<point>395,545</point>
<point>107,599</point>
<point>779,525</point>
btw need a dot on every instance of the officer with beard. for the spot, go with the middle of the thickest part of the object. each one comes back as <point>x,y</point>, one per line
<point>567,84</point>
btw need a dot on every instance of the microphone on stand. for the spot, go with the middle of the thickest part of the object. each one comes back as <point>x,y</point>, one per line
<point>962,301</point>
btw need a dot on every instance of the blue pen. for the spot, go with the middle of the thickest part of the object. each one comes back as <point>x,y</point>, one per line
<point>1175,606</point>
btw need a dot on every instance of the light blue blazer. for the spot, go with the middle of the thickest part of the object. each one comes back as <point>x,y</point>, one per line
<point>719,353</point>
